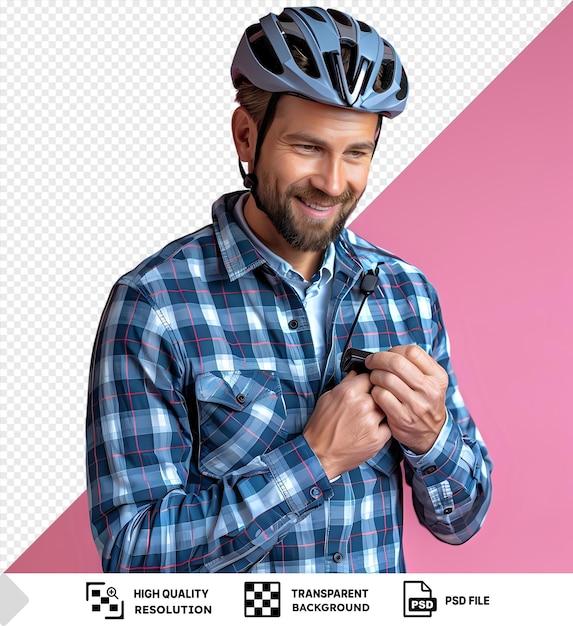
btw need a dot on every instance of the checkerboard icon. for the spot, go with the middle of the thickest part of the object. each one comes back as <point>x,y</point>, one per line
<point>104,601</point>
<point>262,599</point>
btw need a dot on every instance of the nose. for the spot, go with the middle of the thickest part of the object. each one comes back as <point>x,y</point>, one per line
<point>330,176</point>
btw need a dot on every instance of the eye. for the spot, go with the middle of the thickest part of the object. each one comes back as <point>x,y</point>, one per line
<point>358,154</point>
<point>307,148</point>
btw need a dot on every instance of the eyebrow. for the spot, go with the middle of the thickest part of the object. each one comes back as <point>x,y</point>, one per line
<point>311,139</point>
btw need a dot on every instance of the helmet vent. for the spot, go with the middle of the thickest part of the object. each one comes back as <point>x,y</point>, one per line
<point>349,59</point>
<point>385,77</point>
<point>403,86</point>
<point>262,49</point>
<point>299,48</point>
<point>315,15</point>
<point>339,17</point>
<point>386,72</point>
<point>285,17</point>
<point>302,55</point>
<point>346,28</point>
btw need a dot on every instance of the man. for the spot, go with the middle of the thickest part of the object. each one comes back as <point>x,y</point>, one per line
<point>223,433</point>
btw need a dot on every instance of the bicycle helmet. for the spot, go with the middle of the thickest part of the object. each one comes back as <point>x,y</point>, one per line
<point>268,56</point>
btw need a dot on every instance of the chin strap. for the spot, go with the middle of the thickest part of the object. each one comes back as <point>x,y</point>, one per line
<point>250,180</point>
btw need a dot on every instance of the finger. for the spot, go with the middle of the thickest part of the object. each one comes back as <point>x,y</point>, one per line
<point>383,363</point>
<point>398,402</point>
<point>410,363</point>
<point>361,380</point>
<point>420,358</point>
<point>391,406</point>
<point>393,384</point>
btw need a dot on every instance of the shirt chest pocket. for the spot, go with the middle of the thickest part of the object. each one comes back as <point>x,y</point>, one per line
<point>241,416</point>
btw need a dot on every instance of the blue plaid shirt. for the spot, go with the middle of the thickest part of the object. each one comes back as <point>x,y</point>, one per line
<point>203,377</point>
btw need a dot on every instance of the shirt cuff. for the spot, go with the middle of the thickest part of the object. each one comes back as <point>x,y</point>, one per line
<point>299,475</point>
<point>415,459</point>
<point>447,457</point>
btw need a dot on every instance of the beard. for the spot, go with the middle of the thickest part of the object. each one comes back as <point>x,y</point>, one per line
<point>302,232</point>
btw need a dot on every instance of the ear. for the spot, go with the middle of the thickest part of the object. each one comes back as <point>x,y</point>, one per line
<point>244,135</point>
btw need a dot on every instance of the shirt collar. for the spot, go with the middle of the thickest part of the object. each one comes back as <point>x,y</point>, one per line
<point>240,255</point>
<point>282,267</point>
<point>237,250</point>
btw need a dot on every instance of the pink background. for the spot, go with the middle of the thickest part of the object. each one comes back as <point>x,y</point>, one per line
<point>486,211</point>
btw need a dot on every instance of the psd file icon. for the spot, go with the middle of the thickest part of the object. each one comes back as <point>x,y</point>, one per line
<point>418,599</point>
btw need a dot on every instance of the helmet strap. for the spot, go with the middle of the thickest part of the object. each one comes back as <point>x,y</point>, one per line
<point>378,131</point>
<point>250,180</point>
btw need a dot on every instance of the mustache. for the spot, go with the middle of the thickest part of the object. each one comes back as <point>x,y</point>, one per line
<point>319,197</point>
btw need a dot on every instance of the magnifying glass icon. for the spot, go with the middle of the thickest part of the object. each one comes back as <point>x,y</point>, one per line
<point>112,593</point>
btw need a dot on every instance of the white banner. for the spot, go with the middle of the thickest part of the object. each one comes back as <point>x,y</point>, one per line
<point>307,599</point>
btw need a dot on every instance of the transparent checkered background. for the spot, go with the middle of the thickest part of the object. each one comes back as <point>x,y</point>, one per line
<point>115,139</point>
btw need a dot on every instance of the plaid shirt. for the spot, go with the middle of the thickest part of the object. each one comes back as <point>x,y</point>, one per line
<point>202,379</point>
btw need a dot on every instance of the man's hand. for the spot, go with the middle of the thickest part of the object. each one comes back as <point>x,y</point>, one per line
<point>409,386</point>
<point>347,426</point>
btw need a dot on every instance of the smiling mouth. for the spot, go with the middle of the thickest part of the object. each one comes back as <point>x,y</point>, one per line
<point>314,206</point>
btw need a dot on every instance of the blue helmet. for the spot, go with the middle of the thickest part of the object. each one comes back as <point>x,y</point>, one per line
<point>268,56</point>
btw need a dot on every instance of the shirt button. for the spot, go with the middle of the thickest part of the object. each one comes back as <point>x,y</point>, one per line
<point>315,493</point>
<point>337,557</point>
<point>430,470</point>
<point>448,510</point>
<point>240,398</point>
<point>293,324</point>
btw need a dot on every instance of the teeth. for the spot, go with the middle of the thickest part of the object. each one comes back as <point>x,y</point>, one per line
<point>317,207</point>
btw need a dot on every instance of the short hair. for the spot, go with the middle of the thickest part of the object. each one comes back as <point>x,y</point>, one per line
<point>254,100</point>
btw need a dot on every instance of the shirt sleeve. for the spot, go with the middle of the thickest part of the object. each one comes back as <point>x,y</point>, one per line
<point>148,512</point>
<point>451,483</point>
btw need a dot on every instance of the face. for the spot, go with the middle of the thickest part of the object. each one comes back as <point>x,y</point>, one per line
<point>312,170</point>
